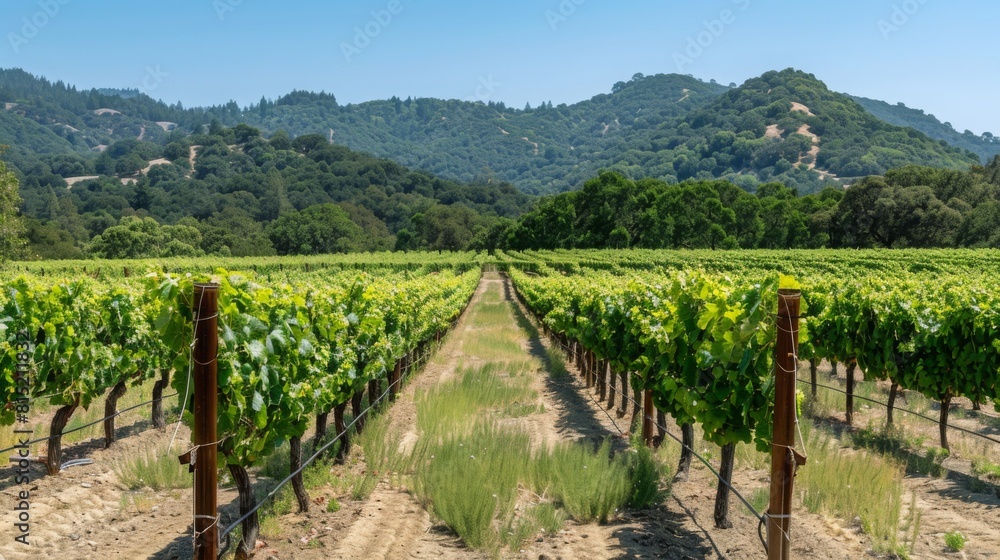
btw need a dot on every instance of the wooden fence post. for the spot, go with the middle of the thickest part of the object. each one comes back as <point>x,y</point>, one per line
<point>784,458</point>
<point>205,436</point>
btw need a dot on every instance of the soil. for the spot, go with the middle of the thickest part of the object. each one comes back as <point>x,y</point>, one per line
<point>796,106</point>
<point>158,161</point>
<point>85,512</point>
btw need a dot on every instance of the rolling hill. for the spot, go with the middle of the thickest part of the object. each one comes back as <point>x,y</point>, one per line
<point>985,146</point>
<point>783,126</point>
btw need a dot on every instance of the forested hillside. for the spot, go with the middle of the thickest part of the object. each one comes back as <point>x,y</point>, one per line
<point>783,126</point>
<point>233,192</point>
<point>985,146</point>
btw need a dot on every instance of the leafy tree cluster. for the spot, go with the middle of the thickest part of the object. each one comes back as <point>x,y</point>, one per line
<point>924,207</point>
<point>671,128</point>
<point>907,207</point>
<point>136,237</point>
<point>612,211</point>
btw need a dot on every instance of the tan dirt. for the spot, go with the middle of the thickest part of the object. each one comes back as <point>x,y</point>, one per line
<point>70,181</point>
<point>796,106</point>
<point>192,156</point>
<point>804,130</point>
<point>159,161</point>
<point>83,512</point>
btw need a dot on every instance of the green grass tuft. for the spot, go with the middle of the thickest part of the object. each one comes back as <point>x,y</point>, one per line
<point>153,469</point>
<point>955,541</point>
<point>852,484</point>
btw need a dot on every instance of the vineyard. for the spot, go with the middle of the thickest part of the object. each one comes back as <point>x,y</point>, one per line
<point>894,357</point>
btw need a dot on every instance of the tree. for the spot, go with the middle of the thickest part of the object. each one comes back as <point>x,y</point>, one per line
<point>404,240</point>
<point>140,238</point>
<point>274,203</point>
<point>494,236</point>
<point>619,238</point>
<point>874,211</point>
<point>48,241</point>
<point>375,235</point>
<point>281,141</point>
<point>449,228</point>
<point>245,133</point>
<point>981,227</point>
<point>11,225</point>
<point>319,229</point>
<point>129,165</point>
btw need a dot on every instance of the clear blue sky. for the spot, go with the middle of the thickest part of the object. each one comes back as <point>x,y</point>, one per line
<point>930,54</point>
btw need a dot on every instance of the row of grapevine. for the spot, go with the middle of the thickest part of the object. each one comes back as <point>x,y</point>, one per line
<point>936,337</point>
<point>86,340</point>
<point>290,354</point>
<point>701,345</point>
<point>395,262</point>
<point>292,350</point>
<point>696,329</point>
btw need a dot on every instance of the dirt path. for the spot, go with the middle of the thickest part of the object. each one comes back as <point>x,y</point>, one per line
<point>193,156</point>
<point>565,417</point>
<point>413,533</point>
